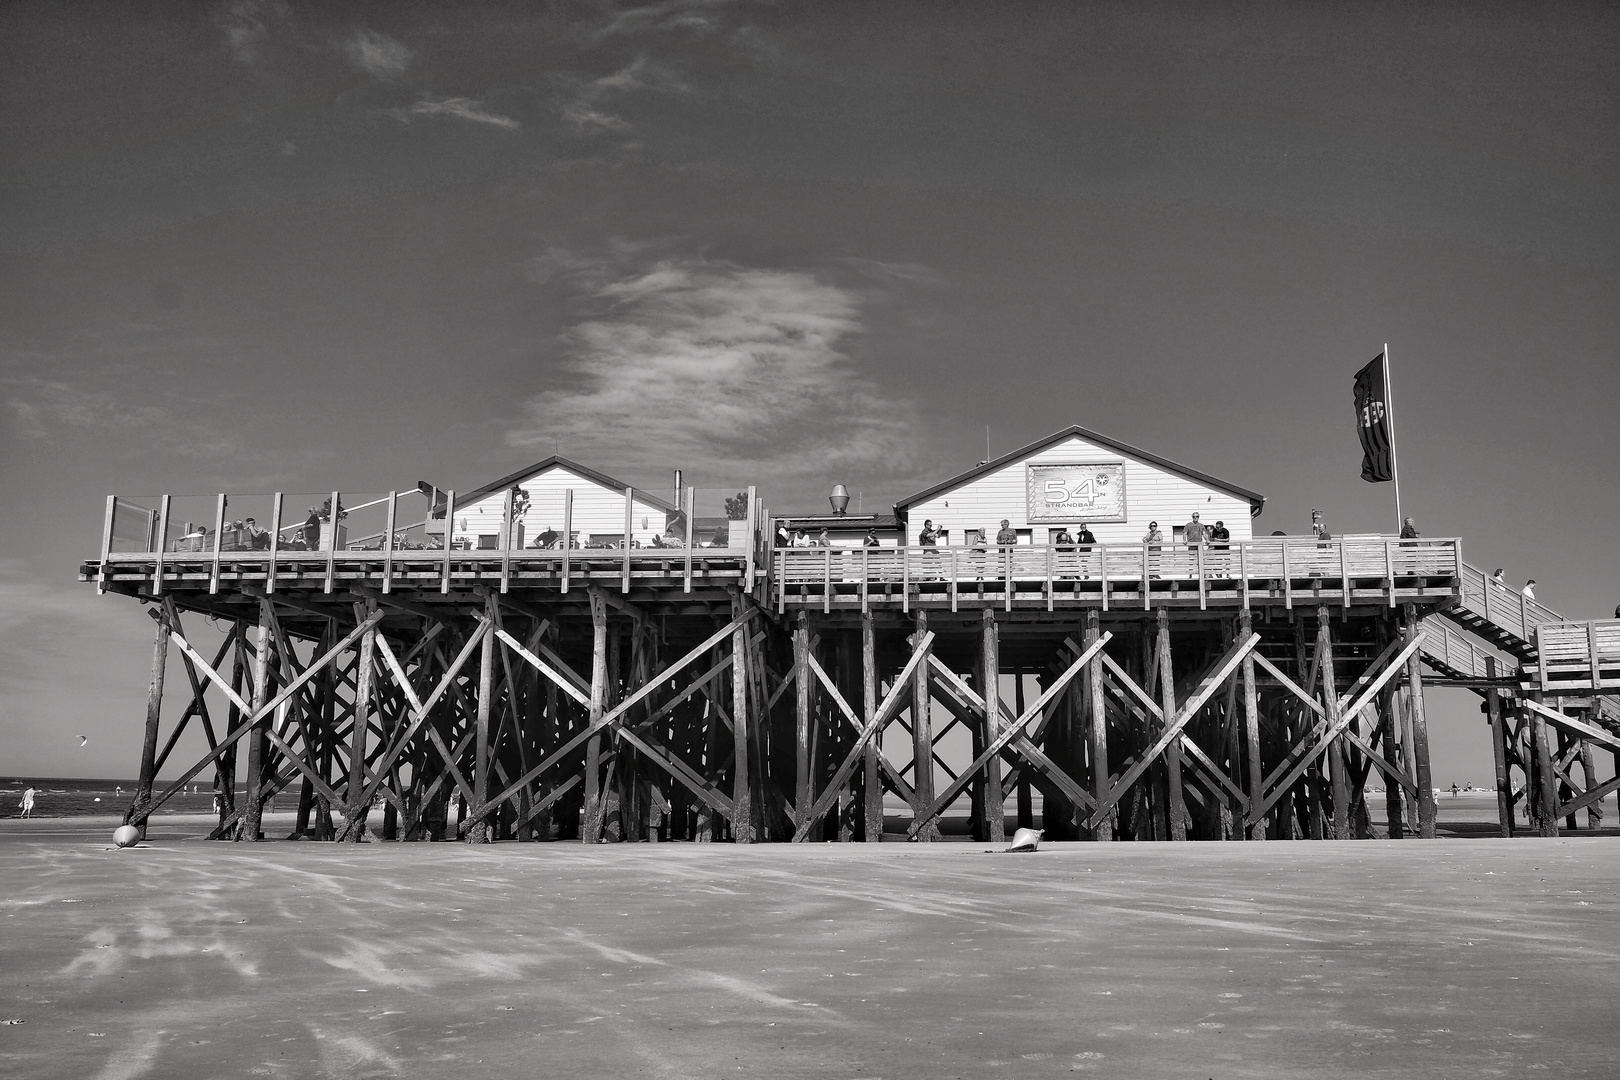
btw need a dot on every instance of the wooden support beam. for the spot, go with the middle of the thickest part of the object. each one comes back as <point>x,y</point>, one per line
<point>871,786</point>
<point>253,810</point>
<point>1256,830</point>
<point>742,797</point>
<point>589,828</point>
<point>154,714</point>
<point>1420,726</point>
<point>803,792</point>
<point>1499,749</point>
<point>922,744</point>
<point>993,805</point>
<point>356,805</point>
<point>1338,760</point>
<point>478,826</point>
<point>1177,819</point>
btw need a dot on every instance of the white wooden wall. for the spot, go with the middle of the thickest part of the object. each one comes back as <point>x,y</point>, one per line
<point>1151,494</point>
<point>597,510</point>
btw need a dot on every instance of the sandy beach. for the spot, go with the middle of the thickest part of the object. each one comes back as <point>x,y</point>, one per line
<point>183,958</point>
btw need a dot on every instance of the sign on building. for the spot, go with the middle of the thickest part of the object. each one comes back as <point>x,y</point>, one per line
<point>1089,492</point>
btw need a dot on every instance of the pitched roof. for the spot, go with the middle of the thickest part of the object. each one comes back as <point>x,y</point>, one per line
<point>1256,500</point>
<point>572,466</point>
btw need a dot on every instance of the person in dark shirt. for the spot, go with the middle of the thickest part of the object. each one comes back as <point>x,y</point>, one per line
<point>1085,539</point>
<point>871,539</point>
<point>1006,536</point>
<point>1220,540</point>
<point>1409,530</point>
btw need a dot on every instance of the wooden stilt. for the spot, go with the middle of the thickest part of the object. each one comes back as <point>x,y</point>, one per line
<point>1251,731</point>
<point>1337,761</point>
<point>1177,819</point>
<point>994,804</point>
<point>746,809</point>
<point>154,714</point>
<point>803,793</point>
<point>1594,810</point>
<point>1097,729</point>
<point>478,828</point>
<point>589,832</point>
<point>871,783</point>
<point>357,806</point>
<point>1420,729</point>
<point>922,740</point>
<point>1499,750</point>
<point>253,811</point>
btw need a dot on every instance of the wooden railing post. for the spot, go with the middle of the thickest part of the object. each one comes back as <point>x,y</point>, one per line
<point>275,543</point>
<point>388,542</point>
<point>449,536</point>
<point>629,527</point>
<point>162,542</point>
<point>568,537</point>
<point>331,542</point>
<point>106,543</point>
<point>219,536</point>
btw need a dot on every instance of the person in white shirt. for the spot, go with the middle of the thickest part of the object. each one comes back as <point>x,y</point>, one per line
<point>1529,589</point>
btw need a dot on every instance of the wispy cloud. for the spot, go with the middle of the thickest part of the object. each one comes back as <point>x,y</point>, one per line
<point>40,405</point>
<point>724,370</point>
<point>246,25</point>
<point>585,101</point>
<point>377,54</point>
<point>459,108</point>
<point>692,16</point>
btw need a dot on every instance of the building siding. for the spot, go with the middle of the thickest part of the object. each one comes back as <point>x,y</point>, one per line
<point>598,510</point>
<point>1151,494</point>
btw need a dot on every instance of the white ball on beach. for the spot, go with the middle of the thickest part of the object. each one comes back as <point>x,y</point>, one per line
<point>126,836</point>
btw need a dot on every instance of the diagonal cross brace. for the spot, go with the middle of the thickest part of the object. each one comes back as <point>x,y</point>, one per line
<point>1222,671</point>
<point>1020,744</point>
<point>615,716</point>
<point>885,711</point>
<point>1008,734</point>
<point>1325,735</point>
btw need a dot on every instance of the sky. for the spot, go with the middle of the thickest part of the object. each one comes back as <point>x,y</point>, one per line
<point>261,246</point>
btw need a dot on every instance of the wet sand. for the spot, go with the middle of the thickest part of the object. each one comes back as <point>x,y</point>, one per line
<point>183,958</point>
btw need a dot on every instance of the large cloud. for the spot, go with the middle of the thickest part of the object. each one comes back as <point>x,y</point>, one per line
<point>730,372</point>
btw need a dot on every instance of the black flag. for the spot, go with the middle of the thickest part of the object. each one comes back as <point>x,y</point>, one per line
<point>1372,423</point>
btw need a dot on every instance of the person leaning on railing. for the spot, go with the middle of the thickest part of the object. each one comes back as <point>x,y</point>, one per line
<point>1154,541</point>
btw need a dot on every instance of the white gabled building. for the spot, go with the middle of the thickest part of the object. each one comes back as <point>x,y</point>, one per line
<point>1074,476</point>
<point>598,516</point>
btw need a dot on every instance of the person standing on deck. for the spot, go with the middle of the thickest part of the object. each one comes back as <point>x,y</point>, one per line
<point>823,540</point>
<point>1196,533</point>
<point>1154,539</point>
<point>1409,530</point>
<point>870,539</point>
<point>1085,539</point>
<point>1220,540</point>
<point>1529,589</point>
<point>1497,578</point>
<point>1065,549</point>
<point>1006,536</point>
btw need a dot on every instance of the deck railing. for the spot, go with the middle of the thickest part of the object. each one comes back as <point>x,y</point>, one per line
<point>1507,607</point>
<point>396,538</point>
<point>1287,568</point>
<point>1579,655</point>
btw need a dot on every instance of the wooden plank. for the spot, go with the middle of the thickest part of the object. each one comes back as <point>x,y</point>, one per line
<point>753,537</point>
<point>565,684</point>
<point>1178,819</point>
<point>1573,726</point>
<point>872,790</point>
<point>1251,726</point>
<point>106,543</point>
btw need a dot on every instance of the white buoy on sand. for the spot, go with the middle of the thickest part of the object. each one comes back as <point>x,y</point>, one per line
<point>1026,840</point>
<point>126,836</point>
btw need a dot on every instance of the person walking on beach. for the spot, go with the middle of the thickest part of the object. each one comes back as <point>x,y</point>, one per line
<point>27,803</point>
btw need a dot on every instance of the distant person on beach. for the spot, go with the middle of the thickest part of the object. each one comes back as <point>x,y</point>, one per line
<point>1529,589</point>
<point>27,803</point>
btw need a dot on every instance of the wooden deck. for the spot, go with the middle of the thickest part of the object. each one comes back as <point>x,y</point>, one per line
<point>1282,572</point>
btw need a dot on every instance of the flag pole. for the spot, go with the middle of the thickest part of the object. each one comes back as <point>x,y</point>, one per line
<point>1394,459</point>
